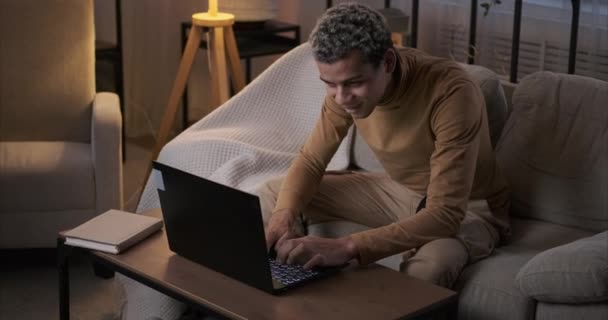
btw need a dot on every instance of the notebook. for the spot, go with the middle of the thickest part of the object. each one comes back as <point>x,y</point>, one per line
<point>221,228</point>
<point>112,231</point>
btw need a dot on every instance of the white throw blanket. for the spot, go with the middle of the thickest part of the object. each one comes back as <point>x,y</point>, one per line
<point>251,138</point>
<point>257,133</point>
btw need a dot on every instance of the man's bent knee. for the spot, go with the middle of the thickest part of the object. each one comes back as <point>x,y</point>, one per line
<point>439,262</point>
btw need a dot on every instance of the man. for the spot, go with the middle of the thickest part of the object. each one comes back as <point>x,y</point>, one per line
<point>425,120</point>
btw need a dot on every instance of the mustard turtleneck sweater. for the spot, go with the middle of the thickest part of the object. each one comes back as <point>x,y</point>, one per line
<point>431,135</point>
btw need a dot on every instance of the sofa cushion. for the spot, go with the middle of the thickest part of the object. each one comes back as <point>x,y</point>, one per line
<point>496,106</point>
<point>487,288</point>
<point>553,150</point>
<point>562,311</point>
<point>46,176</point>
<point>20,230</point>
<point>538,236</point>
<point>494,95</point>
<point>573,273</point>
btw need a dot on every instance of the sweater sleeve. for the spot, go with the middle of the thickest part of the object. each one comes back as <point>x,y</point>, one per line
<point>306,171</point>
<point>455,121</point>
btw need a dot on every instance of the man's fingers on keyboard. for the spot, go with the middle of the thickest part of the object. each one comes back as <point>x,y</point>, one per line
<point>283,248</point>
<point>282,239</point>
<point>316,261</point>
<point>270,239</point>
<point>296,254</point>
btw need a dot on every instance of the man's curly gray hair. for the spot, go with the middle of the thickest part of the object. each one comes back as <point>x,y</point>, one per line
<point>349,26</point>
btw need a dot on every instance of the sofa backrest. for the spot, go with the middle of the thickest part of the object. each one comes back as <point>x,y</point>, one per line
<point>496,106</point>
<point>554,150</point>
<point>47,80</point>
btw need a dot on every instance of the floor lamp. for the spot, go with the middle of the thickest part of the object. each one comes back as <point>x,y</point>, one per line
<point>221,43</point>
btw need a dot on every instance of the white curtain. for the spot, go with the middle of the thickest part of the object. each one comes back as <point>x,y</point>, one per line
<point>545,35</point>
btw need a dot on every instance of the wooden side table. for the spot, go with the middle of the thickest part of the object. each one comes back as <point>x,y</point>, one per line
<point>370,292</point>
<point>253,40</point>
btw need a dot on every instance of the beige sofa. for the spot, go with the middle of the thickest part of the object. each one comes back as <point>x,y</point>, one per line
<point>554,152</point>
<point>256,134</point>
<point>60,161</point>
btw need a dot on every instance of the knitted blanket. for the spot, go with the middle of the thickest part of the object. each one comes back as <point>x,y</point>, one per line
<point>257,133</point>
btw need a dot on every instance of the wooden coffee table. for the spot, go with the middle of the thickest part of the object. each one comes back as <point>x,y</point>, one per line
<point>371,292</point>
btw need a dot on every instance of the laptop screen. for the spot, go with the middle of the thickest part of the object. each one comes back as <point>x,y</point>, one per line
<point>214,225</point>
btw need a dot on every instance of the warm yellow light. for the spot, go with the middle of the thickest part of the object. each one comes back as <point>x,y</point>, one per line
<point>213,7</point>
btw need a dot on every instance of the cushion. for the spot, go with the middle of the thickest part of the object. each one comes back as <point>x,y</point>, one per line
<point>573,273</point>
<point>45,177</point>
<point>494,95</point>
<point>487,288</point>
<point>538,236</point>
<point>21,230</point>
<point>553,150</point>
<point>587,311</point>
<point>496,106</point>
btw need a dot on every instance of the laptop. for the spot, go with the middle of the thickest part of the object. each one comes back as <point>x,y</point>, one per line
<point>221,228</point>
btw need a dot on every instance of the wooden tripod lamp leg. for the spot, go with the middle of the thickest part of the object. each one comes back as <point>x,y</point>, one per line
<point>217,69</point>
<point>236,72</point>
<point>214,97</point>
<point>168,119</point>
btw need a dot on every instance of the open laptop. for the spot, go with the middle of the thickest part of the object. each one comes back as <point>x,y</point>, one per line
<point>221,228</point>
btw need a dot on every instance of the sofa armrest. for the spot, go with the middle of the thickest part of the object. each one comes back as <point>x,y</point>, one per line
<point>106,128</point>
<point>573,273</point>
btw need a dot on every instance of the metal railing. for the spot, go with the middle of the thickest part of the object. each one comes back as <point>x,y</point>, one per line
<point>517,14</point>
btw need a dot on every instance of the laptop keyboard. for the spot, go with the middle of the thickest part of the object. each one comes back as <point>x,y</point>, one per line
<point>290,274</point>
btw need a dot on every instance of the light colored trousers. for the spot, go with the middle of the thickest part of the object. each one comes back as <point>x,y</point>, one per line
<point>375,200</point>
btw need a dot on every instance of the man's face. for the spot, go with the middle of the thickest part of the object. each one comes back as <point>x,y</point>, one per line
<point>355,85</point>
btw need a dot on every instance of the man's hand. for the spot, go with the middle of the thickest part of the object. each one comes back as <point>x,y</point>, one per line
<point>283,225</point>
<point>313,251</point>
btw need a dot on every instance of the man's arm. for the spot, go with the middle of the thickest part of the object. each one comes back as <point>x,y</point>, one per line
<point>456,122</point>
<point>306,171</point>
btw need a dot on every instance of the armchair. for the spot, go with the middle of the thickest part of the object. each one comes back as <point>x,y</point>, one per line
<point>60,158</point>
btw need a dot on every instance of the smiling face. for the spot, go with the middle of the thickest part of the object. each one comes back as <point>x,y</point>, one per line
<point>355,85</point>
